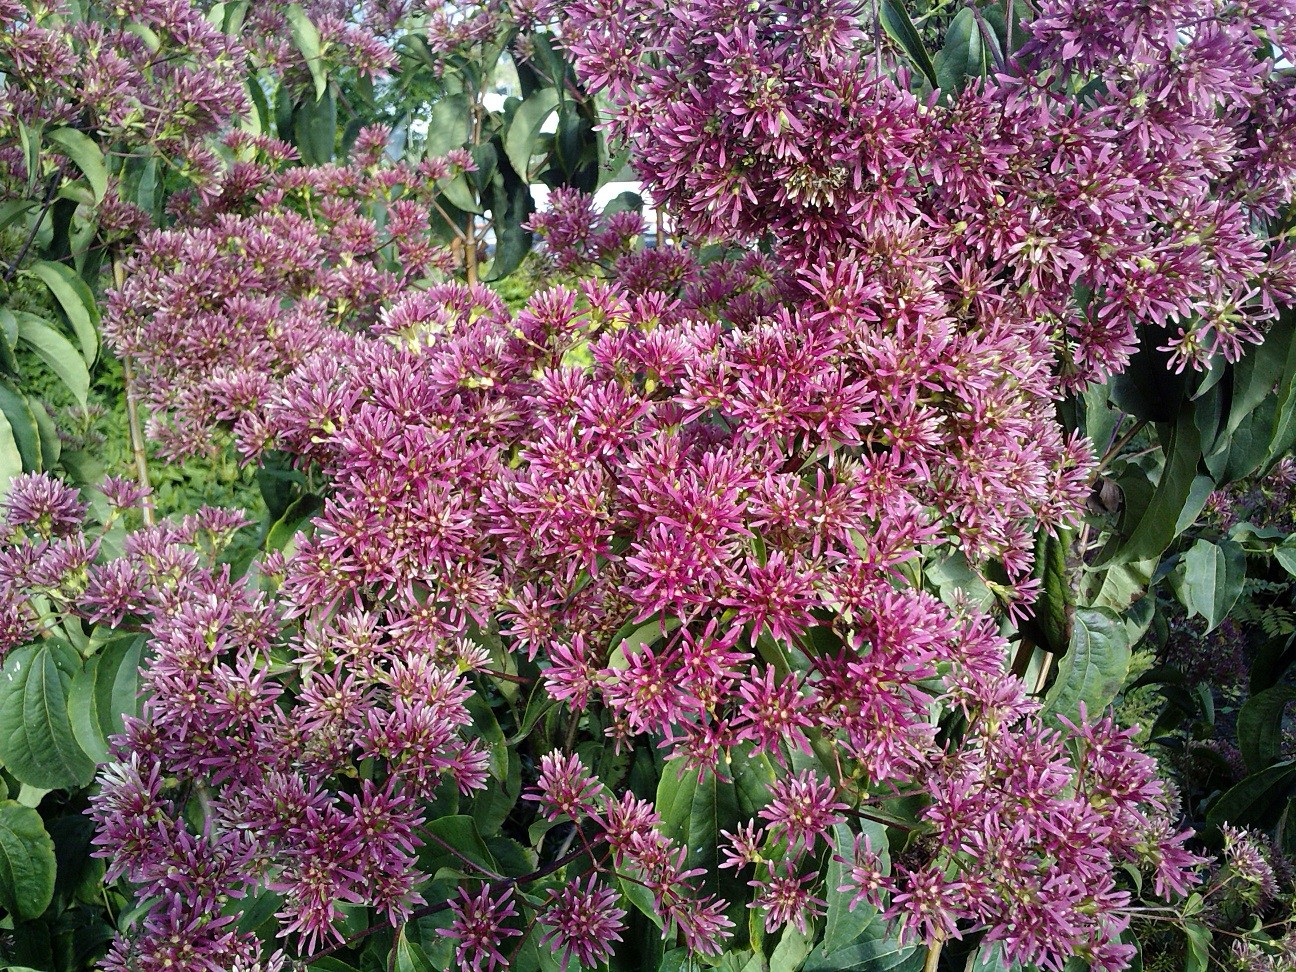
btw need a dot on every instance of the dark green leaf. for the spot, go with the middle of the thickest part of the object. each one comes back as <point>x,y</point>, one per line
<point>57,353</point>
<point>102,693</point>
<point>1151,529</point>
<point>315,129</point>
<point>22,423</point>
<point>1213,577</point>
<point>448,126</point>
<point>307,38</point>
<point>36,741</point>
<point>27,863</point>
<point>1260,726</point>
<point>83,151</point>
<point>1094,668</point>
<point>1258,800</point>
<point>520,139</point>
<point>896,22</point>
<point>77,302</point>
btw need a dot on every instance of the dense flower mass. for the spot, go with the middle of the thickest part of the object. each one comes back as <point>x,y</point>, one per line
<point>1149,199</point>
<point>690,499</point>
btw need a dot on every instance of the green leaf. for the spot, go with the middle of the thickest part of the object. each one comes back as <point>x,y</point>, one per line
<point>22,424</point>
<point>963,55</point>
<point>78,304</point>
<point>896,22</point>
<point>1152,528</point>
<point>455,843</point>
<point>1258,800</point>
<point>36,741</point>
<point>57,352</point>
<point>844,925</point>
<point>307,38</point>
<point>1199,941</point>
<point>27,863</point>
<point>315,129</point>
<point>1268,370</point>
<point>1260,725</point>
<point>448,126</point>
<point>520,139</point>
<point>1094,668</point>
<point>82,150</point>
<point>1054,614</point>
<point>11,463</point>
<point>1213,577</point>
<point>876,951</point>
<point>409,957</point>
<point>104,691</point>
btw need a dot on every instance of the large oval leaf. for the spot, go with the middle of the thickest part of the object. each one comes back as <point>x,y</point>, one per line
<point>27,862</point>
<point>1213,577</point>
<point>1094,667</point>
<point>36,741</point>
<point>519,141</point>
<point>102,693</point>
<point>1260,725</point>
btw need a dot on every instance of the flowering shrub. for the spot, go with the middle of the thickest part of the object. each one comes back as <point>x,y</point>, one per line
<point>676,616</point>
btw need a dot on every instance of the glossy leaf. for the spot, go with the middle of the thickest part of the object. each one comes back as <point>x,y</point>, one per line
<point>1151,528</point>
<point>27,863</point>
<point>87,156</point>
<point>307,38</point>
<point>1094,667</point>
<point>77,302</point>
<point>1213,577</point>
<point>11,462</point>
<point>520,139</point>
<point>36,741</point>
<point>58,353</point>
<point>1257,800</point>
<point>896,22</point>
<point>1260,725</point>
<point>17,411</point>
<point>104,691</point>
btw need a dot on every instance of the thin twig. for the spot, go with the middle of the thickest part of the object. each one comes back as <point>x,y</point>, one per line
<point>1120,444</point>
<point>46,204</point>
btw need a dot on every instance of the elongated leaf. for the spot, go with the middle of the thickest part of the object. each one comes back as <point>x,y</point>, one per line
<point>896,22</point>
<point>104,691</point>
<point>36,741</point>
<point>1258,800</point>
<point>82,150</point>
<point>1260,725</point>
<point>963,55</point>
<point>57,352</point>
<point>1094,667</point>
<point>448,126</point>
<point>1284,425</point>
<point>844,925</point>
<point>78,304</point>
<point>315,128</point>
<point>22,424</point>
<point>307,38</point>
<point>15,209</point>
<point>27,862</point>
<point>520,139</point>
<point>11,463</point>
<point>1214,575</point>
<point>1151,529</point>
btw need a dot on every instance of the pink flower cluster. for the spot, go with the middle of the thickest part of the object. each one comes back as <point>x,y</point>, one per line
<point>214,716</point>
<point>697,495</point>
<point>274,264</point>
<point>1145,198</point>
<point>101,75</point>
